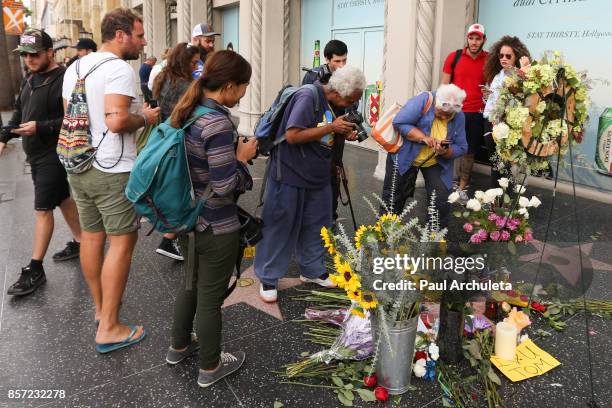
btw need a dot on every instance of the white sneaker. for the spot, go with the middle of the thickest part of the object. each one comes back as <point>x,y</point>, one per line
<point>268,294</point>
<point>326,283</point>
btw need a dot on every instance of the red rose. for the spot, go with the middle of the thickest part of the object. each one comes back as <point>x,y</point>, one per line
<point>524,298</point>
<point>419,355</point>
<point>511,293</point>
<point>369,380</point>
<point>465,333</point>
<point>474,396</point>
<point>537,306</point>
<point>381,393</point>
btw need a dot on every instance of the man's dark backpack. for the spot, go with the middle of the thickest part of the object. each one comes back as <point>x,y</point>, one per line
<point>454,64</point>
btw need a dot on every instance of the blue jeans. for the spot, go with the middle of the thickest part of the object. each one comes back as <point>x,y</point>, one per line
<point>293,218</point>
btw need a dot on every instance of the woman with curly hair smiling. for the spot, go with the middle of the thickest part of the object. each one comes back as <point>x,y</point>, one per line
<point>506,55</point>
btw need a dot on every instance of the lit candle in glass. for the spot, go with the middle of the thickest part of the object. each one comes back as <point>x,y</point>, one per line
<point>505,341</point>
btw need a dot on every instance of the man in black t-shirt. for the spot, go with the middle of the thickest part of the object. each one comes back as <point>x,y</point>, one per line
<point>37,119</point>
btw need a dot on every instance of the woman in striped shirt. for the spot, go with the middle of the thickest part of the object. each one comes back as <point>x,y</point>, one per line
<point>217,163</point>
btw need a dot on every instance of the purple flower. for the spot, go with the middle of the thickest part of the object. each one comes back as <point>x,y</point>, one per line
<point>505,235</point>
<point>467,227</point>
<point>495,235</point>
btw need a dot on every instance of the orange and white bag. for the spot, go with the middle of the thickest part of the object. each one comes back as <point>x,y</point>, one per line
<point>385,134</point>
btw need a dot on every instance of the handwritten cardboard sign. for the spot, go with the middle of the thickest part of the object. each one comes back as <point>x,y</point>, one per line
<point>530,361</point>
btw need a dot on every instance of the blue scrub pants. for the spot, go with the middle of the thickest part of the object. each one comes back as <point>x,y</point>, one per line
<point>293,217</point>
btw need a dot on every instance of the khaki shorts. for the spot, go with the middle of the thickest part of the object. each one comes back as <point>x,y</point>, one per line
<point>101,201</point>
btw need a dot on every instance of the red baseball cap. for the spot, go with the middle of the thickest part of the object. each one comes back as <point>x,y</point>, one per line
<point>476,29</point>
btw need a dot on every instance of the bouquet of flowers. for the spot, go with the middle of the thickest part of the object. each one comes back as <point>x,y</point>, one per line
<point>359,273</point>
<point>492,216</point>
<point>539,107</point>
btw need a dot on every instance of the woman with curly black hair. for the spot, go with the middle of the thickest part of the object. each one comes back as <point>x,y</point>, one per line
<point>506,55</point>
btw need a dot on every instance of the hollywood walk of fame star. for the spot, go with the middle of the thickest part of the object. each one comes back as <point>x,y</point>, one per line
<point>566,260</point>
<point>247,291</point>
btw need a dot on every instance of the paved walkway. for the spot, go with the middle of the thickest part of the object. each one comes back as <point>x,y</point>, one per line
<point>46,339</point>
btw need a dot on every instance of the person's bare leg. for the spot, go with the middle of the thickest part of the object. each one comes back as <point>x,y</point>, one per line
<point>115,271</point>
<point>92,257</point>
<point>42,234</point>
<point>71,215</point>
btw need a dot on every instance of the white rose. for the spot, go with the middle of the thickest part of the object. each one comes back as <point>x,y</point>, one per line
<point>524,202</point>
<point>489,197</point>
<point>523,338</point>
<point>479,195</point>
<point>498,192</point>
<point>453,197</point>
<point>503,182</point>
<point>419,368</point>
<point>534,202</point>
<point>473,205</point>
<point>501,131</point>
<point>434,351</point>
<point>522,211</point>
<point>519,189</point>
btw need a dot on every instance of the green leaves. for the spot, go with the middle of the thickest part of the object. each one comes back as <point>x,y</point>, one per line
<point>457,214</point>
<point>493,377</point>
<point>345,401</point>
<point>512,247</point>
<point>366,395</point>
<point>337,381</point>
<point>474,350</point>
<point>278,404</point>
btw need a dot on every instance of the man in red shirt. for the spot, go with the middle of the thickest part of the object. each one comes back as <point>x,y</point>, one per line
<point>465,68</point>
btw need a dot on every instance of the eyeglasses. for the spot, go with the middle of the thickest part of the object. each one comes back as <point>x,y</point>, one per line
<point>506,56</point>
<point>450,107</point>
<point>26,54</point>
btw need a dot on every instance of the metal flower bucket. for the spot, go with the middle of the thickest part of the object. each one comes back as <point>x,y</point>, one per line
<point>394,362</point>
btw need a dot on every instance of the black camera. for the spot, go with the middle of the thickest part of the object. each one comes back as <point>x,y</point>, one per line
<point>356,119</point>
<point>323,73</point>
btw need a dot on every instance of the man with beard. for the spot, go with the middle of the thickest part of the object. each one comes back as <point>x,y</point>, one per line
<point>203,37</point>
<point>104,211</point>
<point>37,119</point>
<point>465,68</point>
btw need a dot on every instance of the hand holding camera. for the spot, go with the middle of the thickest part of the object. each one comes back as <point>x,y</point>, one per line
<point>342,126</point>
<point>246,149</point>
<point>442,147</point>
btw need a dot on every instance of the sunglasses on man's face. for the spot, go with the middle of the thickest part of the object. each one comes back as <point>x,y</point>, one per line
<point>505,56</point>
<point>26,54</point>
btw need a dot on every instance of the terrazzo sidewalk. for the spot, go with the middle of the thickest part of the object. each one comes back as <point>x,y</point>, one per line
<point>46,339</point>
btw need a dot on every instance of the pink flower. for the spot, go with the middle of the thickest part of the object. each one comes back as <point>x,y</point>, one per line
<point>492,217</point>
<point>483,235</point>
<point>495,235</point>
<point>475,239</point>
<point>477,223</point>
<point>528,235</point>
<point>505,235</point>
<point>518,239</point>
<point>501,222</point>
<point>467,227</point>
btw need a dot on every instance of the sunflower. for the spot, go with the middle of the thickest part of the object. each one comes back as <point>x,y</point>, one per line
<point>368,300</point>
<point>357,311</point>
<point>354,295</point>
<point>328,241</point>
<point>359,235</point>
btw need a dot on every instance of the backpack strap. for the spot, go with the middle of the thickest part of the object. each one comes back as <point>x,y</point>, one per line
<point>454,63</point>
<point>96,66</point>
<point>428,103</point>
<point>197,113</point>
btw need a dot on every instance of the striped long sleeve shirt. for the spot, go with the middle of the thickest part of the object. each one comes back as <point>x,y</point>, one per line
<point>212,159</point>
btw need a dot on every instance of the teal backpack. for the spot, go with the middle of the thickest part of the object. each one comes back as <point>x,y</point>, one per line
<point>160,185</point>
